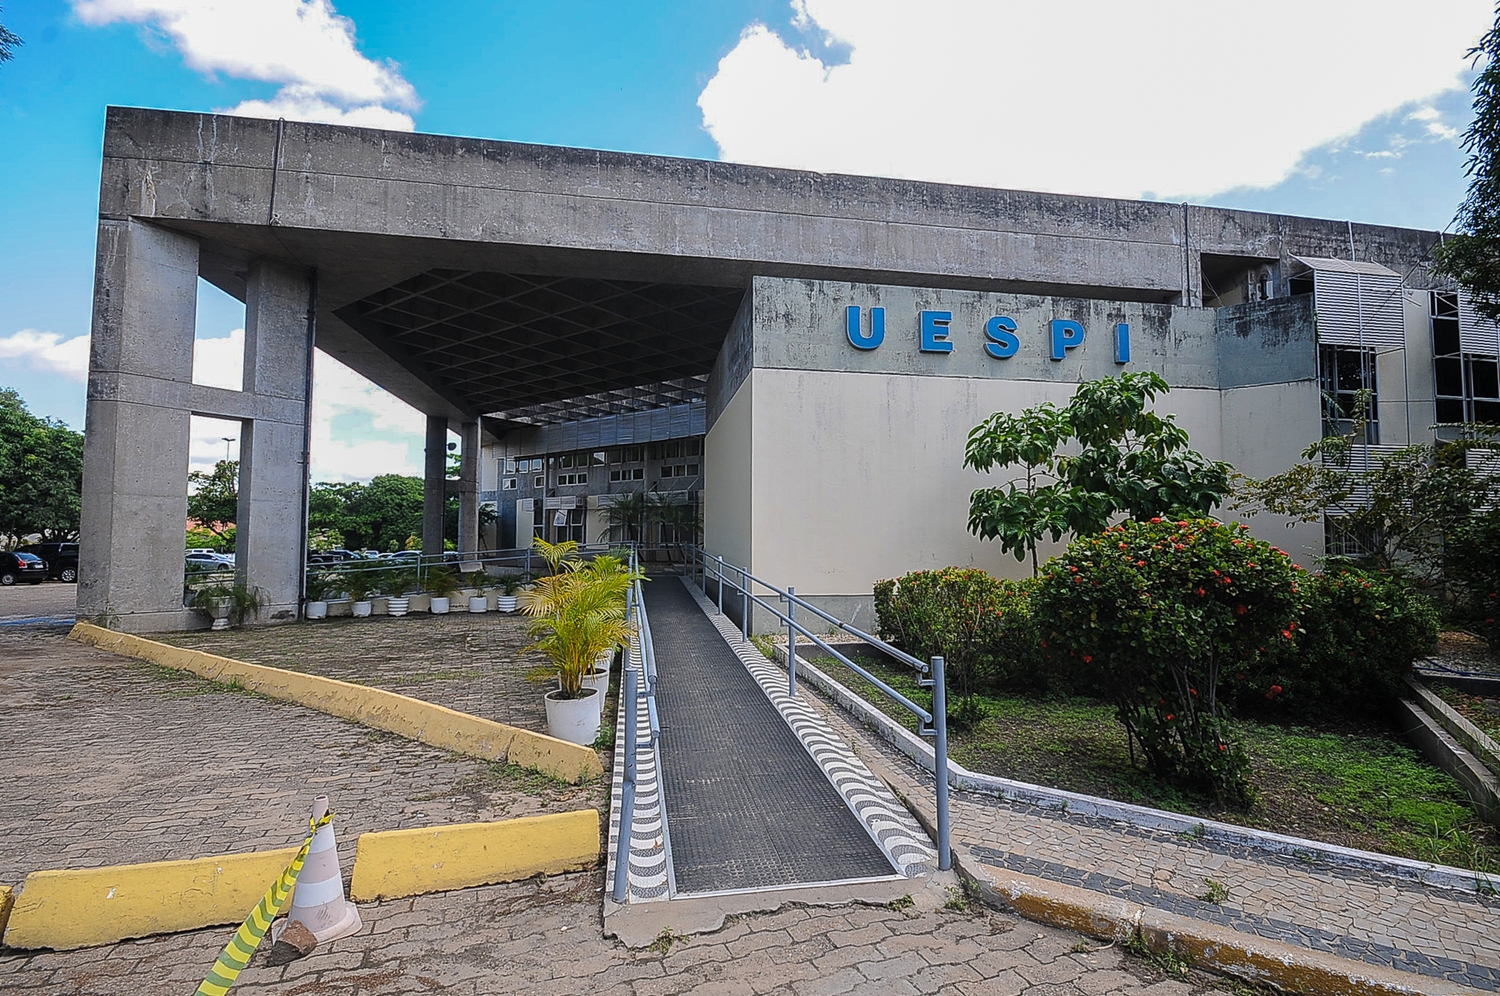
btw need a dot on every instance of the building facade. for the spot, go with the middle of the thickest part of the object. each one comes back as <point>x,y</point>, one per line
<point>798,356</point>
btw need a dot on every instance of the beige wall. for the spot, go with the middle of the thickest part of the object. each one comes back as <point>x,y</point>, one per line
<point>837,479</point>
<point>729,454</point>
<point>1265,430</point>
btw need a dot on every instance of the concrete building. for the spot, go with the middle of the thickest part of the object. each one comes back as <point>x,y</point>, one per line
<point>827,340</point>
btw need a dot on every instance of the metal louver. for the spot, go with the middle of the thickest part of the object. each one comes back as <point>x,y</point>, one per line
<point>1476,333</point>
<point>1362,460</point>
<point>1358,304</point>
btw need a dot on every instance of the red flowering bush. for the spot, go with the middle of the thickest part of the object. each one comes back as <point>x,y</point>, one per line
<point>1153,616</point>
<point>1359,633</point>
<point>980,625</point>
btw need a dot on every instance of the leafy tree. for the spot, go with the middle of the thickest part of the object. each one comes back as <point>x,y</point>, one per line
<point>41,474</point>
<point>627,511</point>
<point>214,498</point>
<point>1472,257</point>
<point>1402,508</point>
<point>386,511</point>
<point>1128,459</point>
<point>9,42</point>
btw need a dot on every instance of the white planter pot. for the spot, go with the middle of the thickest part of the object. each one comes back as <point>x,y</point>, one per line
<point>397,606</point>
<point>317,610</point>
<point>220,611</point>
<point>599,682</point>
<point>605,660</point>
<point>574,720</point>
<point>505,603</point>
<point>479,603</point>
<point>439,605</point>
<point>359,609</point>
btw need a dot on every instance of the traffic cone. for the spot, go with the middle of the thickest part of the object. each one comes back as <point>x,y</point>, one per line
<point>319,912</point>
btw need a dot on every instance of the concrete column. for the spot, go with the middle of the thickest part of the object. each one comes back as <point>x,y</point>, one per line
<point>434,485</point>
<point>135,454</point>
<point>468,487</point>
<point>271,527</point>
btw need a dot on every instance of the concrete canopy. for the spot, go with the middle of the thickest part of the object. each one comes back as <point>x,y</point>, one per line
<point>469,277</point>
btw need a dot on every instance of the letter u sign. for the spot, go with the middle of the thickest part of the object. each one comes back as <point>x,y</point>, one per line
<point>877,327</point>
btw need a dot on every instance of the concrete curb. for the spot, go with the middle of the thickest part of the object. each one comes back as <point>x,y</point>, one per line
<point>7,900</point>
<point>392,863</point>
<point>374,707</point>
<point>68,909</point>
<point>1446,751</point>
<point>1478,743</point>
<point>959,777</point>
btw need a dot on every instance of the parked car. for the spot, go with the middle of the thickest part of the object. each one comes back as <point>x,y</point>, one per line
<point>61,558</point>
<point>28,567</point>
<point>207,560</point>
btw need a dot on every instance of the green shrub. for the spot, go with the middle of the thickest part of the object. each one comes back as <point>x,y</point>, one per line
<point>1360,632</point>
<point>1152,616</point>
<point>1472,557</point>
<point>980,625</point>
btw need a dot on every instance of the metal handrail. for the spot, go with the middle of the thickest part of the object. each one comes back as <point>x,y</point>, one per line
<point>632,693</point>
<point>933,723</point>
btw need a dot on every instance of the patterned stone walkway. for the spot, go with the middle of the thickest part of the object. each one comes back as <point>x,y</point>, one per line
<point>1303,900</point>
<point>472,662</point>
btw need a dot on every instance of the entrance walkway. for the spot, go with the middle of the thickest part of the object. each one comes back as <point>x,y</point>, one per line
<point>747,806</point>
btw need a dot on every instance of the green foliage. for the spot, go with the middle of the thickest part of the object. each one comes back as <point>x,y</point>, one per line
<point>206,539</point>
<point>441,581</point>
<point>1402,507</point>
<point>1130,460</point>
<point>244,600</point>
<point>1359,633</point>
<point>1152,616</point>
<point>376,515</point>
<point>1474,568</point>
<point>321,584</point>
<point>9,42</point>
<point>214,499</point>
<point>41,474</point>
<point>579,613</point>
<point>1472,256</point>
<point>980,625</point>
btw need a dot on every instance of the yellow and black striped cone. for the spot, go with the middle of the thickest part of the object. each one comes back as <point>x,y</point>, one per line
<point>318,901</point>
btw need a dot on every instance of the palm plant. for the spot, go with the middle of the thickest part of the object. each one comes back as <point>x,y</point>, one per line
<point>557,555</point>
<point>580,614</point>
<point>628,510</point>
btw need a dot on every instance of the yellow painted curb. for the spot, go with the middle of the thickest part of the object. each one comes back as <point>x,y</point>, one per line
<point>374,707</point>
<point>74,909</point>
<point>393,863</point>
<point>7,897</point>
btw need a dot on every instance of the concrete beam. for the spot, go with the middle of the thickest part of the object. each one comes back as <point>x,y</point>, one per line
<point>135,459</point>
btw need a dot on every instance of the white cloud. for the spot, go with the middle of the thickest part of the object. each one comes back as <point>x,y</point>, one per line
<point>303,45</point>
<point>48,352</point>
<point>378,432</point>
<point>220,362</point>
<point>1090,96</point>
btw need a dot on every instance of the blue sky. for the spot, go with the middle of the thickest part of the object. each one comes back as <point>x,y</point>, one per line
<point>935,90</point>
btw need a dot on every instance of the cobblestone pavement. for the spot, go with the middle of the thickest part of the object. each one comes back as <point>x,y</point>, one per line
<point>544,938</point>
<point>110,760</point>
<point>1299,900</point>
<point>471,662</point>
<point>50,599</point>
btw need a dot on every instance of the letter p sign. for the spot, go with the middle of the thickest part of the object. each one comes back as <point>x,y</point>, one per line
<point>1066,334</point>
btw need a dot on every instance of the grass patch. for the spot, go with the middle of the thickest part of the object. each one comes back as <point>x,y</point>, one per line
<point>1354,785</point>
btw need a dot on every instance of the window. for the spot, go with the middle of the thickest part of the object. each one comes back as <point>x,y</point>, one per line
<point>1346,541</point>
<point>565,461</point>
<point>628,454</point>
<point>627,474</point>
<point>1467,384</point>
<point>598,458</point>
<point>510,465</point>
<point>539,481</point>
<point>569,480</point>
<point>509,485</point>
<point>679,470</point>
<point>1344,371</point>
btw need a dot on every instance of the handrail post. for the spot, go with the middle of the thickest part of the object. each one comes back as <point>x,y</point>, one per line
<point>791,641</point>
<point>940,757</point>
<point>744,607</point>
<point>719,586</point>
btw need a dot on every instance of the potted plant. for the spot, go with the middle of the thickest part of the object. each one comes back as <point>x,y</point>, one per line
<point>509,585</point>
<point>478,583</point>
<point>319,586</point>
<point>227,604</point>
<point>443,584</point>
<point>396,584</point>
<point>359,584</point>
<point>580,614</point>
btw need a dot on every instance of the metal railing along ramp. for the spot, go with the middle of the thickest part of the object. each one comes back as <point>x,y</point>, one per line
<point>728,787</point>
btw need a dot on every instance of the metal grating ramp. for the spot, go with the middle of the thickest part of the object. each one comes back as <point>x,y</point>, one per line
<point>748,807</point>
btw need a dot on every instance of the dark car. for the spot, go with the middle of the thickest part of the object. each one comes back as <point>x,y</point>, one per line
<point>28,567</point>
<point>61,558</point>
